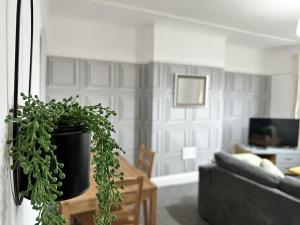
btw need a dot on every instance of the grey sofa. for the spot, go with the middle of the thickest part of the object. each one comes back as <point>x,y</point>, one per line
<point>232,192</point>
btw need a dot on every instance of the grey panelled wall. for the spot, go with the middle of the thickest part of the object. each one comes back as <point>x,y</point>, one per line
<point>117,85</point>
<point>245,96</point>
<point>170,129</point>
<point>142,95</point>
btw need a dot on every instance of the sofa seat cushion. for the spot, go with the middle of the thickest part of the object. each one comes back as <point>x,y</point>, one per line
<point>257,174</point>
<point>268,166</point>
<point>249,158</point>
<point>290,185</point>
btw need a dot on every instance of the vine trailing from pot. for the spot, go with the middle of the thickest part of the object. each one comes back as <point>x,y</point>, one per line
<point>39,155</point>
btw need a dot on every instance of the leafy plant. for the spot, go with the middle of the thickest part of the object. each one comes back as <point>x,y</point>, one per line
<point>34,151</point>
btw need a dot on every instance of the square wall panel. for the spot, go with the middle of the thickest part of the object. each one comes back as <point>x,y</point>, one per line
<point>216,138</point>
<point>169,71</point>
<point>130,108</point>
<point>201,113</point>
<point>201,138</point>
<point>226,134</point>
<point>99,75</point>
<point>62,73</point>
<point>238,106</point>
<point>267,85</point>
<point>216,107</point>
<point>105,100</point>
<point>236,132</point>
<point>174,114</point>
<point>264,107</point>
<point>129,137</point>
<point>154,76</point>
<point>130,77</point>
<point>238,84</point>
<point>254,107</point>
<point>256,84</point>
<point>154,137</point>
<point>233,131</point>
<point>227,106</point>
<point>154,109</point>
<point>228,81</point>
<point>204,157</point>
<point>175,140</point>
<point>217,80</point>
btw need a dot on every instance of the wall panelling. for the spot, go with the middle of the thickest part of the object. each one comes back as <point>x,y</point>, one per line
<point>142,95</point>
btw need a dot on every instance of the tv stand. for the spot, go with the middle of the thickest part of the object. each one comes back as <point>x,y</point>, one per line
<point>283,158</point>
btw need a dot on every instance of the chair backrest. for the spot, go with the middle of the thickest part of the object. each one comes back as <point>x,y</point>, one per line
<point>145,160</point>
<point>128,211</point>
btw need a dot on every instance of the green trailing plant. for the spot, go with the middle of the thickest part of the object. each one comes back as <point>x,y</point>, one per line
<point>34,151</point>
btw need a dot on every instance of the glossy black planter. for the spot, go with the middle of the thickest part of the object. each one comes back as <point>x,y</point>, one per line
<point>73,150</point>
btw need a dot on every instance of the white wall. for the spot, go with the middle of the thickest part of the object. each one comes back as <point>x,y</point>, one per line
<point>282,63</point>
<point>9,213</point>
<point>283,94</point>
<point>245,59</point>
<point>184,45</point>
<point>6,204</point>
<point>168,43</point>
<point>172,43</point>
<point>145,44</point>
<point>88,39</point>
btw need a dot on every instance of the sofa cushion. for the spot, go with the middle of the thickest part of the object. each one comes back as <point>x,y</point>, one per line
<point>249,158</point>
<point>251,172</point>
<point>291,186</point>
<point>268,166</point>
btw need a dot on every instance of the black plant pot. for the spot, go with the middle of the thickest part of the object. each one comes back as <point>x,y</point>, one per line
<point>73,150</point>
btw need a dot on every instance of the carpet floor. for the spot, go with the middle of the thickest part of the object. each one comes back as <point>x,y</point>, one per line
<point>177,205</point>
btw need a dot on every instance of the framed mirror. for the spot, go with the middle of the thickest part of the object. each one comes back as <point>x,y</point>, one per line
<point>190,90</point>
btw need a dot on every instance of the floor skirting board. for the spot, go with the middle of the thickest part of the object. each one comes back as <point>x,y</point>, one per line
<point>177,179</point>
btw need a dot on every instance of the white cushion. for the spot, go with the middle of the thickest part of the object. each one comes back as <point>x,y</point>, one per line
<point>249,158</point>
<point>268,166</point>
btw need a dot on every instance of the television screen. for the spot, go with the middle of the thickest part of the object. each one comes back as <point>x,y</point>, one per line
<point>273,132</point>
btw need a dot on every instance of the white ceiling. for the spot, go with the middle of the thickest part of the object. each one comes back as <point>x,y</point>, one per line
<point>259,23</point>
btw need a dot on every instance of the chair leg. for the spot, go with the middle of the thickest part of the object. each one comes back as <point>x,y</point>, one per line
<point>145,211</point>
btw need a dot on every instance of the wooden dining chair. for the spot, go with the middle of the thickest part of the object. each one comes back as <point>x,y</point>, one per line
<point>145,164</point>
<point>145,160</point>
<point>128,211</point>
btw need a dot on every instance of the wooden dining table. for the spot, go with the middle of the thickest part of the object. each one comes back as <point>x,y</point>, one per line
<point>88,202</point>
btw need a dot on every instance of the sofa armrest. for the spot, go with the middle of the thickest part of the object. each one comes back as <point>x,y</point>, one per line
<point>290,186</point>
<point>205,180</point>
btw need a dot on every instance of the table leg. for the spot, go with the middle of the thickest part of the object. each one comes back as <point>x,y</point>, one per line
<point>153,208</point>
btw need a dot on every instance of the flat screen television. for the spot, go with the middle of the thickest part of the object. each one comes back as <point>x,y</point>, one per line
<point>273,132</point>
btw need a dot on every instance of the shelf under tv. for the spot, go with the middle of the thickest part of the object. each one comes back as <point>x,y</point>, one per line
<point>283,158</point>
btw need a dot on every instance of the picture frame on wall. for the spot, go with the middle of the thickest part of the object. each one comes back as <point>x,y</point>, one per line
<point>190,90</point>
